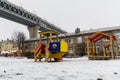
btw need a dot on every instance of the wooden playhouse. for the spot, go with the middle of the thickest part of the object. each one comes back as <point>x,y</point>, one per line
<point>109,49</point>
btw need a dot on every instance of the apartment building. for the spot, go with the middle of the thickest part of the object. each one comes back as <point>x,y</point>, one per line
<point>8,47</point>
<point>77,40</point>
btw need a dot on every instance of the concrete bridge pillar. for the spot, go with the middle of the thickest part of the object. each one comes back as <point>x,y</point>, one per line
<point>33,31</point>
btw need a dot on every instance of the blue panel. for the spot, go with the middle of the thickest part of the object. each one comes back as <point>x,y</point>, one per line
<point>54,46</point>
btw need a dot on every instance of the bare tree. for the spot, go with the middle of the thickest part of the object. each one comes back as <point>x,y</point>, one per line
<point>19,38</point>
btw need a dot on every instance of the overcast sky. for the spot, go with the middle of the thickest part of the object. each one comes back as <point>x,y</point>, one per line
<point>67,14</point>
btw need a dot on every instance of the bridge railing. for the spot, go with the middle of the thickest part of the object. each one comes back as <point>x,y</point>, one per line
<point>19,11</point>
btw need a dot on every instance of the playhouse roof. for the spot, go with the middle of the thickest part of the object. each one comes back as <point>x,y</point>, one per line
<point>99,35</point>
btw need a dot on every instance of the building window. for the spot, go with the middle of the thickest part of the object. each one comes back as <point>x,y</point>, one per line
<point>117,35</point>
<point>108,49</point>
<point>70,49</point>
<point>118,47</point>
<point>79,39</point>
<point>97,49</point>
<point>13,46</point>
<point>54,40</point>
<point>104,39</point>
<point>86,50</point>
<point>38,34</point>
<point>62,39</point>
<point>85,38</point>
<point>44,42</point>
<point>70,41</point>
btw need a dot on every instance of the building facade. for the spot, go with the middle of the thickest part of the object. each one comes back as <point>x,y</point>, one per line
<point>8,47</point>
<point>77,40</point>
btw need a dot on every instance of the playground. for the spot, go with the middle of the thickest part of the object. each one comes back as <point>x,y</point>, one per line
<point>69,69</point>
<point>49,64</point>
<point>51,49</point>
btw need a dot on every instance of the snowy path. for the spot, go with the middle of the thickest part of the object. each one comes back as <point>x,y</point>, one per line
<point>69,69</point>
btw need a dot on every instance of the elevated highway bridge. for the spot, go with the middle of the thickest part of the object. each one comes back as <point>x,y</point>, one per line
<point>17,14</point>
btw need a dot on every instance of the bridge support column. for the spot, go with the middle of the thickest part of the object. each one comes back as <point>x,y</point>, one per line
<point>33,31</point>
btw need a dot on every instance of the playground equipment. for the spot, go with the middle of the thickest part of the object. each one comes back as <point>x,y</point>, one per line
<point>52,49</point>
<point>109,49</point>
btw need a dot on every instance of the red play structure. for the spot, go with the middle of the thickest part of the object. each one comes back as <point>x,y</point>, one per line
<point>40,48</point>
<point>110,45</point>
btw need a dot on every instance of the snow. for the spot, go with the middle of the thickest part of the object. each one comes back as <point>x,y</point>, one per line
<point>69,69</point>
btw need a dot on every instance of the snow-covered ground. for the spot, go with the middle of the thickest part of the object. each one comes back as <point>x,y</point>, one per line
<point>68,69</point>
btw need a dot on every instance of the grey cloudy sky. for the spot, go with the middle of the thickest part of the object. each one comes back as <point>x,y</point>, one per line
<point>67,14</point>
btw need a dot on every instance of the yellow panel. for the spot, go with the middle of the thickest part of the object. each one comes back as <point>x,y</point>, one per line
<point>57,55</point>
<point>63,46</point>
<point>54,55</point>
